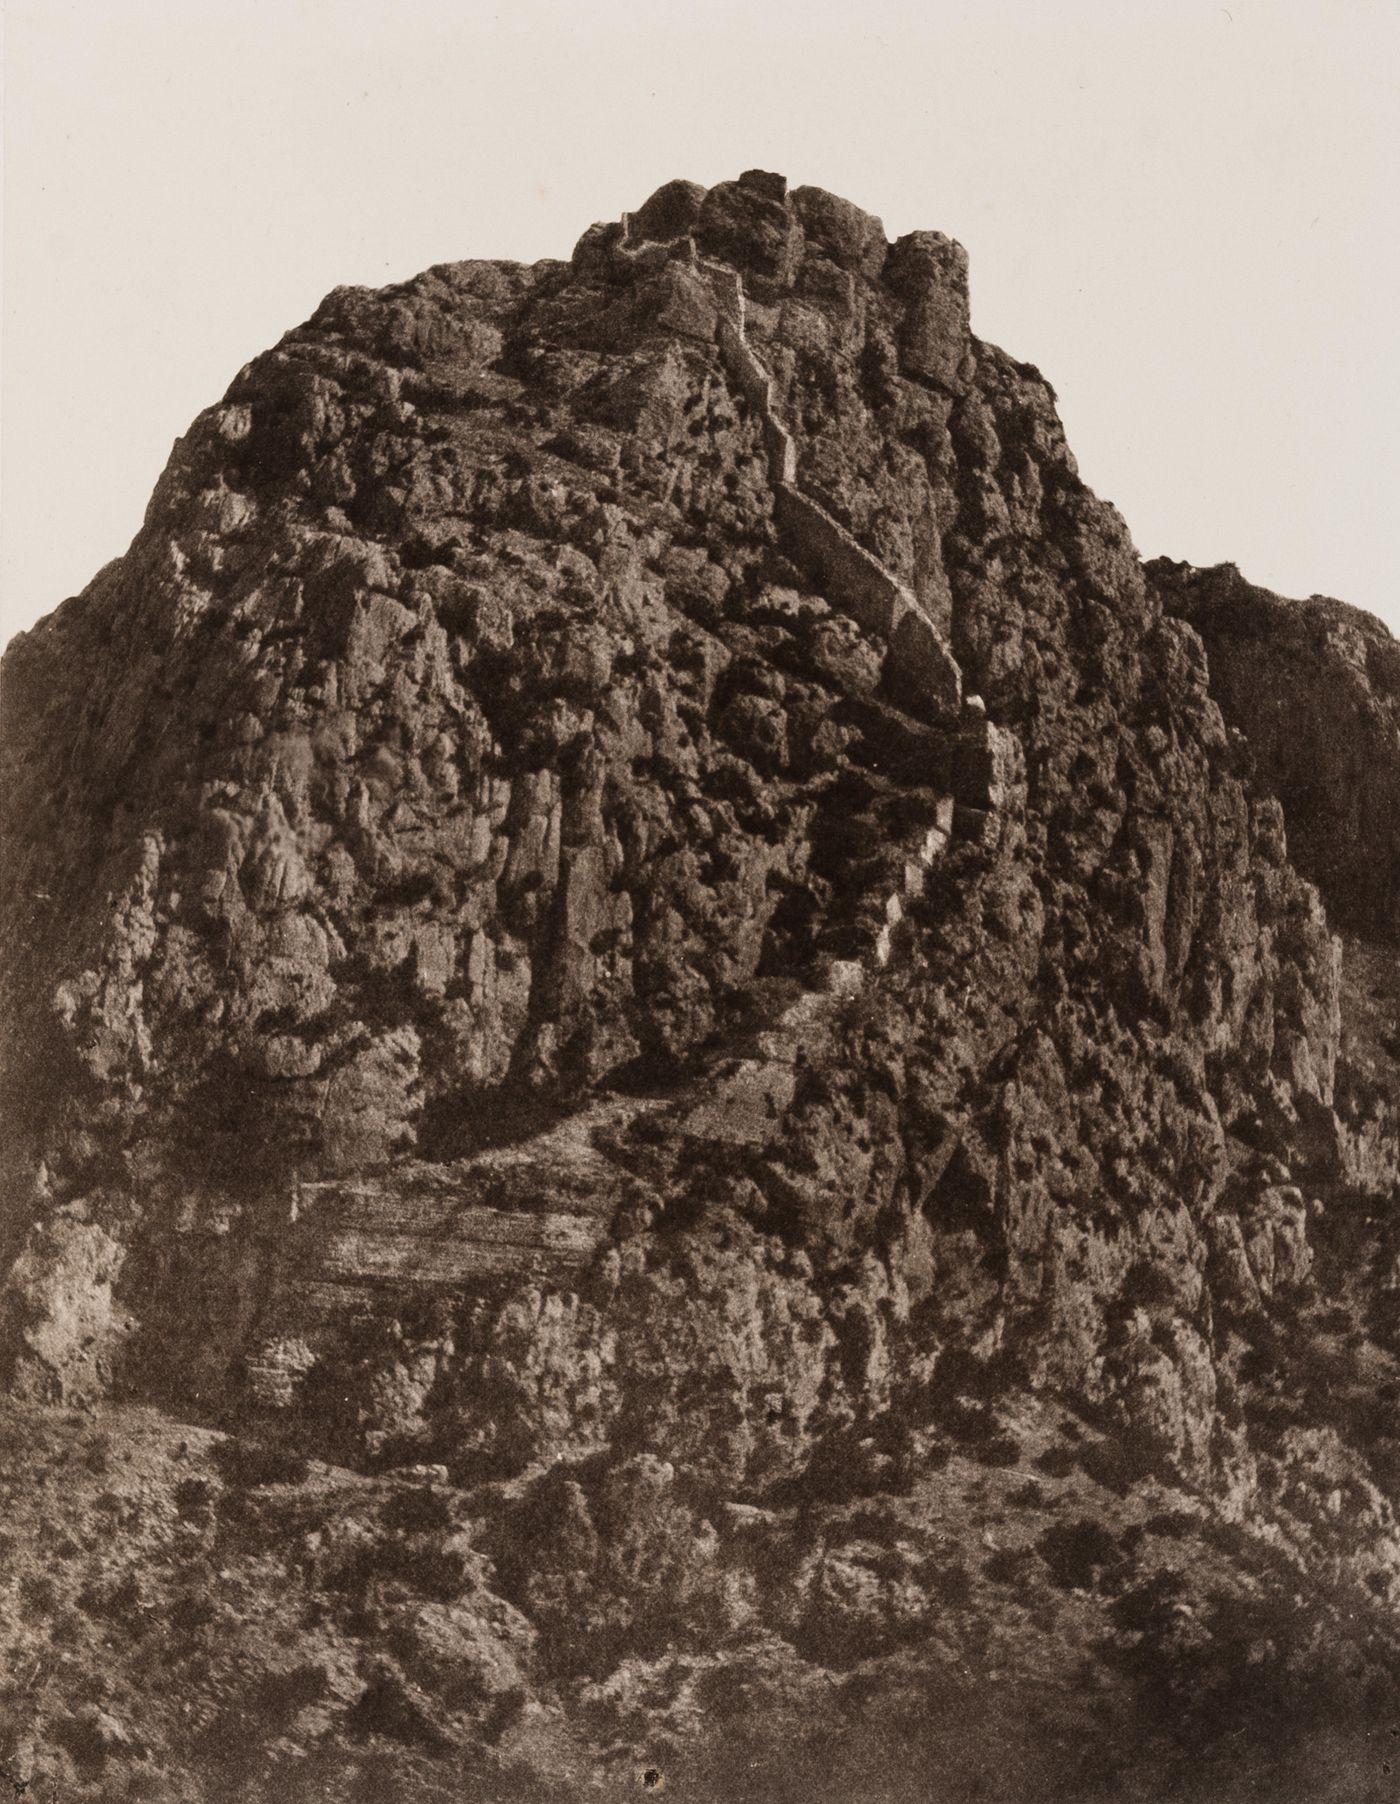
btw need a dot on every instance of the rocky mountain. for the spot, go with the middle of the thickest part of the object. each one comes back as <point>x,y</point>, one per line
<point>698,1094</point>
<point>1315,687</point>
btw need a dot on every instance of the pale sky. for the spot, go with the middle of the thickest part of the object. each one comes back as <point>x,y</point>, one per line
<point>1183,212</point>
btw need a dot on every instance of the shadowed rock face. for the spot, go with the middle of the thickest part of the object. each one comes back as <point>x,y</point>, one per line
<point>1315,687</point>
<point>629,899</point>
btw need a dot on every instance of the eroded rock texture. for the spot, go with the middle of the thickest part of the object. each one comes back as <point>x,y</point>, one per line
<point>630,905</point>
<point>1315,685</point>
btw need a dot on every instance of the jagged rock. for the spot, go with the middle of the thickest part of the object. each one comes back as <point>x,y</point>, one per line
<point>61,1327</point>
<point>630,907</point>
<point>853,239</point>
<point>669,213</point>
<point>929,272</point>
<point>1315,688</point>
<point>748,223</point>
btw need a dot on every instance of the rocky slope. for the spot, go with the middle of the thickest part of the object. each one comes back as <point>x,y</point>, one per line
<point>1315,687</point>
<point>676,1111</point>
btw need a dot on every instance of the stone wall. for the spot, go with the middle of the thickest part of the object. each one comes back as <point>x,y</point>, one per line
<point>921,672</point>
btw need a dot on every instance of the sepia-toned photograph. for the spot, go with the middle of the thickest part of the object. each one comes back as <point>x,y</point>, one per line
<point>700,902</point>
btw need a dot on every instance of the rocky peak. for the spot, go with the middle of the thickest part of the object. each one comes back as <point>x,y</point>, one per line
<point>630,902</point>
<point>1315,688</point>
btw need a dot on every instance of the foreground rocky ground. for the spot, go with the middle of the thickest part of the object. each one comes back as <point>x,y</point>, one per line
<point>685,1106</point>
<point>1016,1614</point>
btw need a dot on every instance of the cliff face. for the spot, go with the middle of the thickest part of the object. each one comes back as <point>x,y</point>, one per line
<point>628,893</point>
<point>1315,687</point>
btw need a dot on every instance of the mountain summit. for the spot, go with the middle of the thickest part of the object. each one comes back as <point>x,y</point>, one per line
<point>674,1112</point>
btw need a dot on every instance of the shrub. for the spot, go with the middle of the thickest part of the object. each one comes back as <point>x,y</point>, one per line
<point>1147,1608</point>
<point>950,1581</point>
<point>968,1422</point>
<point>1121,1463</point>
<point>415,1562</point>
<point>876,1522</point>
<point>426,1567</point>
<point>1078,1552</point>
<point>250,1464</point>
<point>419,1508</point>
<point>190,1612</point>
<point>1007,1565</point>
<point>279,1695</point>
<point>192,1499</point>
<point>390,1708</point>
<point>1148,1284</point>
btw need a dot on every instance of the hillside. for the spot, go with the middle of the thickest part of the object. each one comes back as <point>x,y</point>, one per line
<point>684,1100</point>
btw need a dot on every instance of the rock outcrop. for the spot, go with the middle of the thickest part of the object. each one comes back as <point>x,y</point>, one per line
<point>1315,688</point>
<point>634,929</point>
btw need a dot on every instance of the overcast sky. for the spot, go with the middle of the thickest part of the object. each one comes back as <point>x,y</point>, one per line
<point>1183,212</point>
